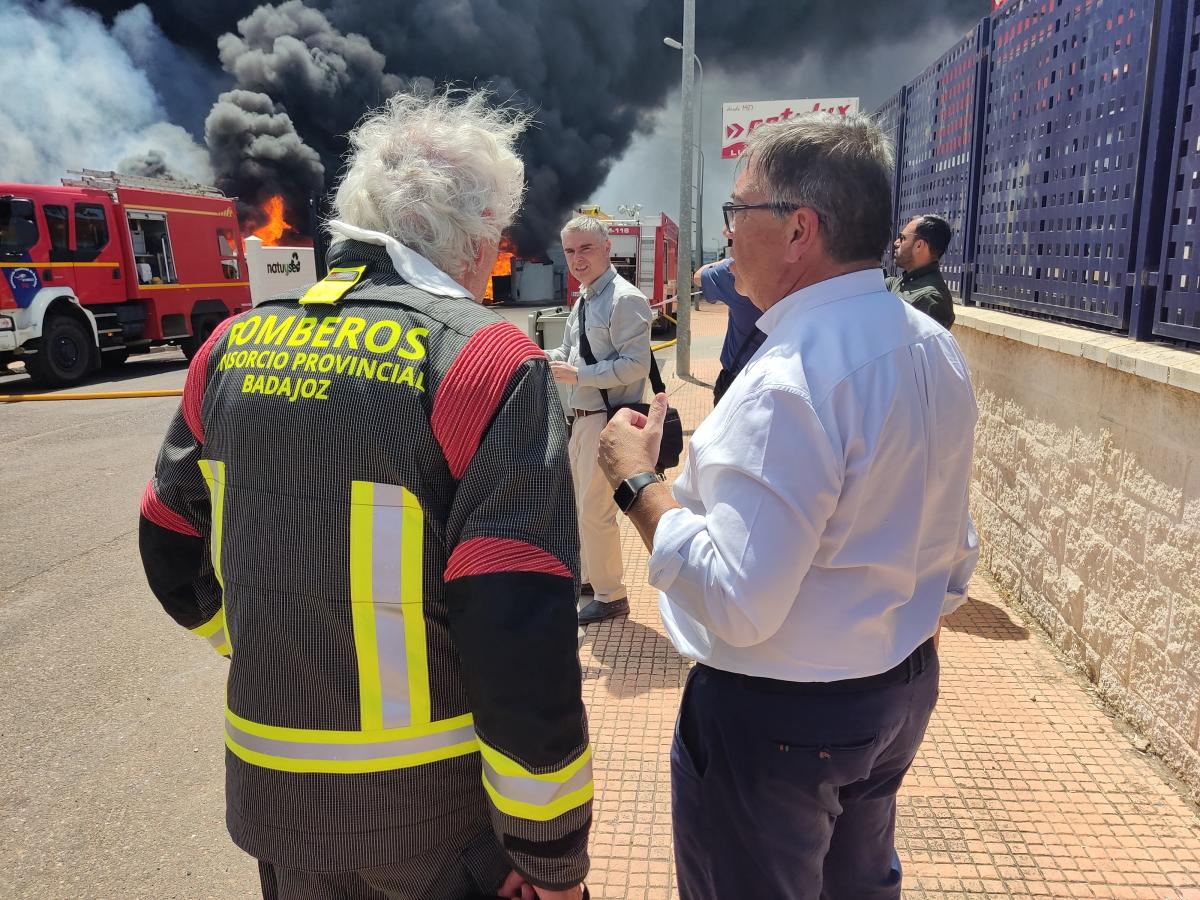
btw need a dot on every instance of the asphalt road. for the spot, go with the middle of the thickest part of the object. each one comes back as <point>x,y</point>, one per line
<point>110,714</point>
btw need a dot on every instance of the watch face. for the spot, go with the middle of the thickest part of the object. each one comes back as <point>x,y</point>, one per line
<point>627,491</point>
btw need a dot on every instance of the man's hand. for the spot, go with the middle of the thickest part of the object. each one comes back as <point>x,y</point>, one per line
<point>564,373</point>
<point>517,888</point>
<point>629,443</point>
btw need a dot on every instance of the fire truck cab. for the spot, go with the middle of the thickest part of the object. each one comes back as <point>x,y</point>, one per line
<point>645,253</point>
<point>106,264</point>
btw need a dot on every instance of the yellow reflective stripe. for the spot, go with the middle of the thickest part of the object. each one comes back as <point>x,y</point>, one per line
<point>362,604</point>
<point>538,797</point>
<point>506,765</point>
<point>348,752</point>
<point>214,632</point>
<point>412,599</point>
<point>212,626</point>
<point>540,812</point>
<point>326,736</point>
<point>348,767</point>
<point>214,476</point>
<point>387,605</point>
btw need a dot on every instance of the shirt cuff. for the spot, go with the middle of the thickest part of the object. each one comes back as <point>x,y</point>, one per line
<point>586,374</point>
<point>672,540</point>
<point>954,599</point>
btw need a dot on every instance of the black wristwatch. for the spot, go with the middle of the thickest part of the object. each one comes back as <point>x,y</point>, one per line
<point>631,488</point>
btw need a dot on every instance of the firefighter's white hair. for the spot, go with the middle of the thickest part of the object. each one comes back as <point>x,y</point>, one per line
<point>587,225</point>
<point>439,173</point>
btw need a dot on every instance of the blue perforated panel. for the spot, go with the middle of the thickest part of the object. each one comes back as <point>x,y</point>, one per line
<point>935,164</point>
<point>890,117</point>
<point>1178,313</point>
<point>1062,157</point>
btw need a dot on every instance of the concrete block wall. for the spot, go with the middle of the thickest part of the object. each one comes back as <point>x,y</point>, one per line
<point>1087,499</point>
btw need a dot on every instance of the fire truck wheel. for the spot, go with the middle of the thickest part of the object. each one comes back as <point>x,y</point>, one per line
<point>203,331</point>
<point>64,356</point>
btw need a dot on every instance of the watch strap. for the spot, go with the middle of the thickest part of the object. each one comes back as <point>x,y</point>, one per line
<point>631,488</point>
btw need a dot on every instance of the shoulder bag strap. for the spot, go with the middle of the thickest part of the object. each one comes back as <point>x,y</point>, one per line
<point>585,349</point>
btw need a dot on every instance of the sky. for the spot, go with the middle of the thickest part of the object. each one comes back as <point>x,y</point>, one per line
<point>649,171</point>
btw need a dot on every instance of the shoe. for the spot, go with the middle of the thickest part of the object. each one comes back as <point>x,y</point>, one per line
<point>598,611</point>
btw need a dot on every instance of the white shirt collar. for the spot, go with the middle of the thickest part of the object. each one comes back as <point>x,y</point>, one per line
<point>410,265</point>
<point>852,284</point>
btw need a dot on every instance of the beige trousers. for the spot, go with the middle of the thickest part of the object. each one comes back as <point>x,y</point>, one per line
<point>599,536</point>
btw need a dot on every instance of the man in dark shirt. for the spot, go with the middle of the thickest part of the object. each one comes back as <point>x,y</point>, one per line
<point>918,250</point>
<point>742,336</point>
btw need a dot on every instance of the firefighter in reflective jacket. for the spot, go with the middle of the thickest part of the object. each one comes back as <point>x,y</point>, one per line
<point>365,502</point>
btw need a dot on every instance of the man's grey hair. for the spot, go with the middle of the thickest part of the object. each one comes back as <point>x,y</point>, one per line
<point>587,225</point>
<point>841,168</point>
<point>439,173</point>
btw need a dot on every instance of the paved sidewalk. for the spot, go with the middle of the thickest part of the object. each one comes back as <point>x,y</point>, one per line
<point>1024,787</point>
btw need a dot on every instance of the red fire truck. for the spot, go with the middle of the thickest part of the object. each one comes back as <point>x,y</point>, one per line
<point>106,264</point>
<point>645,252</point>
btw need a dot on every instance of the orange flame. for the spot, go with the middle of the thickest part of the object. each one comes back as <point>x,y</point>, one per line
<point>503,266</point>
<point>276,224</point>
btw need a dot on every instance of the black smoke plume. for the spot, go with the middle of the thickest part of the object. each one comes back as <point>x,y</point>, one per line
<point>593,72</point>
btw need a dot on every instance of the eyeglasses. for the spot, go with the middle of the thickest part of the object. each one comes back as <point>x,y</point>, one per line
<point>728,210</point>
<point>902,237</point>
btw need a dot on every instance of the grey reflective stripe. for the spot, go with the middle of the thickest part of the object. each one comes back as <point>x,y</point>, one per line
<point>536,791</point>
<point>219,641</point>
<point>387,536</point>
<point>385,750</point>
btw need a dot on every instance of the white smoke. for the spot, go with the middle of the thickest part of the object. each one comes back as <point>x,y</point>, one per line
<point>74,98</point>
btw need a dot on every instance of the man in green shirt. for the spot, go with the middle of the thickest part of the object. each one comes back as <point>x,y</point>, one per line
<point>918,249</point>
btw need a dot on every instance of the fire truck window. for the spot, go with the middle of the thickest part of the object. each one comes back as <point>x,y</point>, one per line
<point>152,248</point>
<point>228,251</point>
<point>18,227</point>
<point>626,267</point>
<point>91,229</point>
<point>58,226</point>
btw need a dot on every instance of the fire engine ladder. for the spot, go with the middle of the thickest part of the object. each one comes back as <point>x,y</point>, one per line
<point>110,181</point>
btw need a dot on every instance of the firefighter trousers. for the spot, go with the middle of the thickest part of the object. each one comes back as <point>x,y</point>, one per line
<point>458,870</point>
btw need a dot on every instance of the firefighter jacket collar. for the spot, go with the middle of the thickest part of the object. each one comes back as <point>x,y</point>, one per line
<point>409,264</point>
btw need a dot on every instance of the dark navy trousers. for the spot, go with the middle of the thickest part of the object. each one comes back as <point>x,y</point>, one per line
<point>788,791</point>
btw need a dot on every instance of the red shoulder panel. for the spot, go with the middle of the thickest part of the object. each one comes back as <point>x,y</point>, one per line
<point>470,393</point>
<point>197,376</point>
<point>486,556</point>
<point>162,515</point>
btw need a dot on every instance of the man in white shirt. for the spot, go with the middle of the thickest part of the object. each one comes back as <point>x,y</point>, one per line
<point>616,318</point>
<point>816,537</point>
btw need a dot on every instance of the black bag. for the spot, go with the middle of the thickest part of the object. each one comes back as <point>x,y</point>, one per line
<point>671,447</point>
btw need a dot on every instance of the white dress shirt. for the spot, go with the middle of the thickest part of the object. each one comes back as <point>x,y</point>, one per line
<point>824,525</point>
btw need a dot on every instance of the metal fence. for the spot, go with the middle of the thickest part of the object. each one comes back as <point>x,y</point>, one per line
<point>1178,306</point>
<point>935,168</point>
<point>890,118</point>
<point>1061,138</point>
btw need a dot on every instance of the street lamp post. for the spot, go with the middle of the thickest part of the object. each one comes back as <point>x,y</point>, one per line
<point>683,285</point>
<point>675,45</point>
